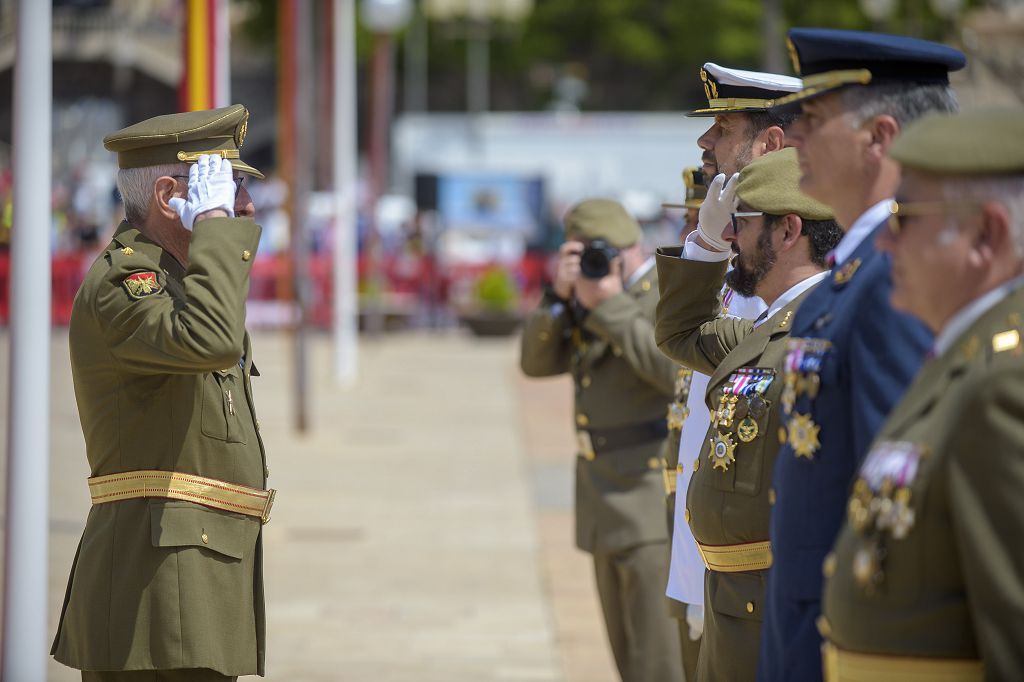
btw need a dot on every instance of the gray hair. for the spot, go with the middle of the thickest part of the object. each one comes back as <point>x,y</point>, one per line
<point>1007,190</point>
<point>905,103</point>
<point>136,188</point>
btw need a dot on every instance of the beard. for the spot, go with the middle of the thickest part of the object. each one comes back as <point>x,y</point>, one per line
<point>749,270</point>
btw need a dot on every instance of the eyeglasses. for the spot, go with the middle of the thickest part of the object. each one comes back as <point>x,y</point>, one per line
<point>239,182</point>
<point>743,214</point>
<point>901,210</point>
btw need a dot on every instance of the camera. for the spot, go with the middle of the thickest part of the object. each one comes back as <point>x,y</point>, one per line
<point>596,259</point>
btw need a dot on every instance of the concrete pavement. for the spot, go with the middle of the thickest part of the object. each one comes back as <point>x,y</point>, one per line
<point>422,530</point>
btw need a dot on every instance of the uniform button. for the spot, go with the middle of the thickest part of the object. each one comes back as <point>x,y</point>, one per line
<point>686,515</point>
<point>601,440</point>
<point>696,464</point>
<point>824,627</point>
<point>544,336</point>
<point>750,607</point>
<point>246,255</point>
<point>828,567</point>
<point>582,420</point>
<point>206,539</point>
<point>646,285</point>
<point>585,381</point>
<point>771,496</point>
<point>589,456</point>
<point>617,352</point>
<point>654,463</point>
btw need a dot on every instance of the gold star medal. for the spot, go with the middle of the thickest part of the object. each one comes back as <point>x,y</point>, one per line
<point>747,430</point>
<point>722,451</point>
<point>803,435</point>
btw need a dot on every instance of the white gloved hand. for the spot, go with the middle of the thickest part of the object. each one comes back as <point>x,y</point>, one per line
<point>716,211</point>
<point>211,185</point>
<point>695,619</point>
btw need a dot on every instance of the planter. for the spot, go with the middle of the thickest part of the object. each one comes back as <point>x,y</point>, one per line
<point>491,323</point>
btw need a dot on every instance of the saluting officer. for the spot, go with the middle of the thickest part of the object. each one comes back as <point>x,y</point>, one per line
<point>850,355</point>
<point>596,322</point>
<point>745,127</point>
<point>927,577</point>
<point>780,238</point>
<point>167,583</point>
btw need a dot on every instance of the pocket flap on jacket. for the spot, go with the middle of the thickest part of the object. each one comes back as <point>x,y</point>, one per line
<point>183,524</point>
<point>740,595</point>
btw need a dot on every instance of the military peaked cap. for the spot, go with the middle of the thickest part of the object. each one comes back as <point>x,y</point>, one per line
<point>980,142</point>
<point>183,137</point>
<point>602,219</point>
<point>828,59</point>
<point>738,91</point>
<point>771,183</point>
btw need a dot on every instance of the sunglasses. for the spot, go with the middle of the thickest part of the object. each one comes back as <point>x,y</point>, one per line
<point>743,214</point>
<point>239,182</point>
<point>901,210</point>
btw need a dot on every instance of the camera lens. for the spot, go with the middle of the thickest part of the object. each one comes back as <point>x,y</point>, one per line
<point>596,259</point>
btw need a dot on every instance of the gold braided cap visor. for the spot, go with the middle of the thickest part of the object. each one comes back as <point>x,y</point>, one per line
<point>819,83</point>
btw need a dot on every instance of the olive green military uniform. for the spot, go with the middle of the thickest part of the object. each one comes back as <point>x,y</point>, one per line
<point>162,364</point>
<point>622,383</point>
<point>925,579</point>
<point>729,497</point>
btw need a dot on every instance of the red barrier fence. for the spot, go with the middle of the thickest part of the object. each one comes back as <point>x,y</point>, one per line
<point>415,277</point>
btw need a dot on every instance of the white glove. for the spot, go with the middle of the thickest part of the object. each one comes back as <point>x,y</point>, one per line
<point>695,619</point>
<point>716,211</point>
<point>211,185</point>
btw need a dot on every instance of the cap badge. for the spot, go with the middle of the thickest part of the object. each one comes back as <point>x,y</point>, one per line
<point>241,130</point>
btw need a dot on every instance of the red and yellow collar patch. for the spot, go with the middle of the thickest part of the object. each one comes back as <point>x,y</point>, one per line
<point>142,284</point>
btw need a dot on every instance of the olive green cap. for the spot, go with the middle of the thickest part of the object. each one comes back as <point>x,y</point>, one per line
<point>771,184</point>
<point>183,138</point>
<point>602,219</point>
<point>979,142</point>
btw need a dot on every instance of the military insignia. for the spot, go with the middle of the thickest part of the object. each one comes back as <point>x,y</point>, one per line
<point>820,323</point>
<point>794,56</point>
<point>757,406</point>
<point>1004,341</point>
<point>788,396</point>
<point>677,414</point>
<point>723,451</point>
<point>803,435</point>
<point>128,251</point>
<point>867,566</point>
<point>891,464</point>
<point>241,130</point>
<point>969,349</point>
<point>585,444</point>
<point>747,430</point>
<point>846,273</point>
<point>142,284</point>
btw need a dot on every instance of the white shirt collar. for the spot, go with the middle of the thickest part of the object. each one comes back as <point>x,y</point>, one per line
<point>791,293</point>
<point>639,272</point>
<point>861,228</point>
<point>969,314</point>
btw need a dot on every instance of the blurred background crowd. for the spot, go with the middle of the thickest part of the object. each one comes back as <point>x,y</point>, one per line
<point>497,115</point>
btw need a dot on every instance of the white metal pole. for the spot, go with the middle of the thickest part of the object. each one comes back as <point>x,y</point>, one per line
<point>28,448</point>
<point>222,54</point>
<point>346,308</point>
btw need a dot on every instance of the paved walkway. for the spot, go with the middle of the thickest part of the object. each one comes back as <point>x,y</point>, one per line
<point>423,528</point>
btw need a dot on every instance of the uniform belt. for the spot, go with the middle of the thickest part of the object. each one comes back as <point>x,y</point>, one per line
<point>852,666</point>
<point>624,436</point>
<point>174,485</point>
<point>750,556</point>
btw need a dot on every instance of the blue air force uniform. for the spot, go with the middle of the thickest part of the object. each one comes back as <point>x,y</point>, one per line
<point>849,360</point>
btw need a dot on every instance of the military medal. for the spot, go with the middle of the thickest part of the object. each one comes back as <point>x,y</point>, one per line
<point>757,406</point>
<point>747,430</point>
<point>803,435</point>
<point>677,414</point>
<point>867,566</point>
<point>726,410</point>
<point>788,396</point>
<point>722,451</point>
<point>846,273</point>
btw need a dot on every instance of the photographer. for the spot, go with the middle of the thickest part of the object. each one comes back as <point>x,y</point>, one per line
<point>596,322</point>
